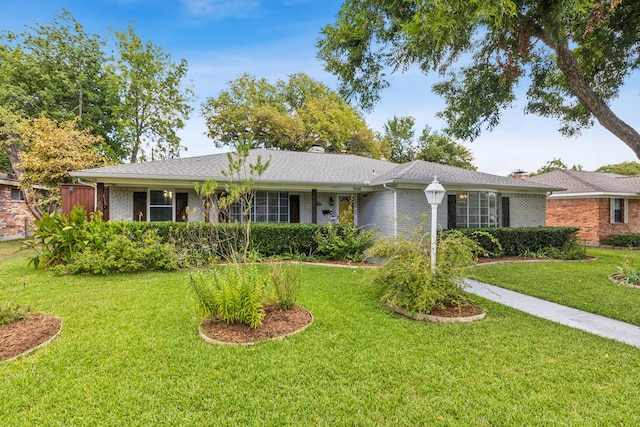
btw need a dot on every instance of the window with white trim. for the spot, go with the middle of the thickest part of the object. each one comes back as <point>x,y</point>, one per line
<point>619,211</point>
<point>267,206</point>
<point>160,205</point>
<point>477,209</point>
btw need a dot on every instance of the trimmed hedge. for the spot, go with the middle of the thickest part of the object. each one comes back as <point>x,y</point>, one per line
<point>626,240</point>
<point>202,244</point>
<point>518,241</point>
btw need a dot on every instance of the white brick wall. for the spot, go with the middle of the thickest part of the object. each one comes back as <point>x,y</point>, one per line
<point>121,203</point>
<point>527,210</point>
<point>376,211</point>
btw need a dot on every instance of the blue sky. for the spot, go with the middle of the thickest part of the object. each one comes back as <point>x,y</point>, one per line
<point>222,39</point>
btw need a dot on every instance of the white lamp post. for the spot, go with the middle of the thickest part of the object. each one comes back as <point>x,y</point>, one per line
<point>435,193</point>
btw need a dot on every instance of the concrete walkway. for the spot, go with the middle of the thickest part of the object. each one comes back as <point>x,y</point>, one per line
<point>593,323</point>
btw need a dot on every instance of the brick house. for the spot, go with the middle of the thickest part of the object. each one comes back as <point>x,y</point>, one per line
<point>318,187</point>
<point>598,203</point>
<point>15,216</point>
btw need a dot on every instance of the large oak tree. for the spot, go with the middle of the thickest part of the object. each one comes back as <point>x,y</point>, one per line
<point>290,115</point>
<point>574,55</point>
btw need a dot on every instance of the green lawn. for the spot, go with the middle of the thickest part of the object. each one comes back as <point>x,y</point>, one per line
<point>129,354</point>
<point>582,285</point>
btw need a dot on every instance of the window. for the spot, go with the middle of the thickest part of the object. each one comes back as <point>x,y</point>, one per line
<point>619,211</point>
<point>17,194</point>
<point>267,206</point>
<point>477,209</point>
<point>160,205</point>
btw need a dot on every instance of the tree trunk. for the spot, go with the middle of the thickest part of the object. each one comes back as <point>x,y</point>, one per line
<point>11,148</point>
<point>568,65</point>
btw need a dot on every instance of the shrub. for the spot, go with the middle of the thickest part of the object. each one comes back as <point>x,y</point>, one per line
<point>518,241</point>
<point>10,313</point>
<point>627,240</point>
<point>122,254</point>
<point>406,279</point>
<point>343,242</point>
<point>234,293</point>
<point>57,238</point>
<point>627,274</point>
<point>287,279</point>
<point>71,244</point>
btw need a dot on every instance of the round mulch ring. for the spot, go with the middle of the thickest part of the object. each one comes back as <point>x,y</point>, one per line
<point>23,336</point>
<point>276,324</point>
<point>452,313</point>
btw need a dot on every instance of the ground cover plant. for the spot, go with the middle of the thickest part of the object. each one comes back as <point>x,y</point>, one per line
<point>583,284</point>
<point>129,354</point>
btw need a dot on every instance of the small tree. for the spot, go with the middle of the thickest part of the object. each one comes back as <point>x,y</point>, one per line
<point>206,191</point>
<point>50,150</point>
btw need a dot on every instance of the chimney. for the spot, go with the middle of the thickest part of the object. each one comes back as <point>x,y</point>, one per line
<point>316,148</point>
<point>519,174</point>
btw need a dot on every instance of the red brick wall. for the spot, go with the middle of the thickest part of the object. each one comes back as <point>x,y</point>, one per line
<point>592,216</point>
<point>13,215</point>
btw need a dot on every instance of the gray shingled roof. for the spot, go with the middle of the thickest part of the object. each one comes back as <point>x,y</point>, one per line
<point>584,182</point>
<point>420,171</point>
<point>307,168</point>
<point>284,167</point>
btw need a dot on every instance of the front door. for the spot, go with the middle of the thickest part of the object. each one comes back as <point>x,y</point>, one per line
<point>140,206</point>
<point>345,209</point>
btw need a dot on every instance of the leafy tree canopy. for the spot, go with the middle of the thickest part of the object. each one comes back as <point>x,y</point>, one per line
<point>555,164</point>
<point>624,168</point>
<point>152,100</point>
<point>431,146</point>
<point>437,147</point>
<point>50,150</point>
<point>289,115</point>
<point>574,55</point>
<point>134,101</point>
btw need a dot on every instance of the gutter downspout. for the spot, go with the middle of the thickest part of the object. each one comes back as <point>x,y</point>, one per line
<point>95,192</point>
<point>395,208</point>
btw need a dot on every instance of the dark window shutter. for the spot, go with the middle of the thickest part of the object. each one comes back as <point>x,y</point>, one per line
<point>506,218</point>
<point>451,211</point>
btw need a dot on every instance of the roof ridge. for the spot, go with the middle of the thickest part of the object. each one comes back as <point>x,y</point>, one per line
<point>582,180</point>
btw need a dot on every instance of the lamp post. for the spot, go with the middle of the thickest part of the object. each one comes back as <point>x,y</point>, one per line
<point>435,193</point>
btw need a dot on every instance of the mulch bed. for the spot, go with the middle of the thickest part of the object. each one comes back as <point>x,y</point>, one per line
<point>277,323</point>
<point>22,335</point>
<point>456,310</point>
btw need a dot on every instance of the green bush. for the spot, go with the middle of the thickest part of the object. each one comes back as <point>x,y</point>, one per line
<point>287,279</point>
<point>122,254</point>
<point>71,244</point>
<point>344,242</point>
<point>627,274</point>
<point>626,240</point>
<point>10,313</point>
<point>406,278</point>
<point>206,242</point>
<point>58,238</point>
<point>235,293</point>
<point>519,241</point>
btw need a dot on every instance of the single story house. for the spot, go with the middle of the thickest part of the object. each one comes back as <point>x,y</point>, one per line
<point>598,203</point>
<point>318,187</point>
<point>15,216</point>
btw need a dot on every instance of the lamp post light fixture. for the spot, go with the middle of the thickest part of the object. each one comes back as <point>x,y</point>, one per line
<point>435,194</point>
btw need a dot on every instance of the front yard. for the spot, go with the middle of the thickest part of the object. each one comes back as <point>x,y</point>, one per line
<point>129,354</point>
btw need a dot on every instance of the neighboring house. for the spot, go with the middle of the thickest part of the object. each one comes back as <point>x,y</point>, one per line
<point>15,216</point>
<point>598,203</point>
<point>314,187</point>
